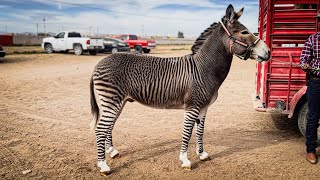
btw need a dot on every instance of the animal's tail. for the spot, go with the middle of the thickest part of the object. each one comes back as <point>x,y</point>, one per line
<point>94,107</point>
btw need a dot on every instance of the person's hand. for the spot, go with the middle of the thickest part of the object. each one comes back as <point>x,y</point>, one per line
<point>306,67</point>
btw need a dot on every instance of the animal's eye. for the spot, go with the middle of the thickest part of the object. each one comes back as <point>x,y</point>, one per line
<point>244,32</point>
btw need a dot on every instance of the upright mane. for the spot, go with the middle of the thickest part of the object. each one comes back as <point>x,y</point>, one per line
<point>202,38</point>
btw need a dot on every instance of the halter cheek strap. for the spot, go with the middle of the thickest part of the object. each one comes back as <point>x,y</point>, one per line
<point>233,40</point>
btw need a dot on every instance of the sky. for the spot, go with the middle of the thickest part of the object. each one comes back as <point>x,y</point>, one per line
<point>142,17</point>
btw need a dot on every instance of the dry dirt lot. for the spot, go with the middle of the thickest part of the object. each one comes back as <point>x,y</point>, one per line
<point>45,117</point>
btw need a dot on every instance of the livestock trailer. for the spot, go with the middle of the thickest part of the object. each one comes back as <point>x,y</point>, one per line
<point>284,25</point>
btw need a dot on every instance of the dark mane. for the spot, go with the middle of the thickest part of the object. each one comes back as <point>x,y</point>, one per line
<point>202,38</point>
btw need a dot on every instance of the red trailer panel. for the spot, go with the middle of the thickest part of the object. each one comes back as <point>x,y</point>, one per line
<point>284,25</point>
<point>6,39</point>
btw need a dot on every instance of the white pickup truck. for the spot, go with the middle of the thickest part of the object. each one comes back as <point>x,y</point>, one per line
<point>65,41</point>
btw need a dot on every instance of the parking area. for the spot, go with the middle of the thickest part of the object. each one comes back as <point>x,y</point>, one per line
<point>45,117</point>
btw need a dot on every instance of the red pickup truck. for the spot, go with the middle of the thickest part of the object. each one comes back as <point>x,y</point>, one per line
<point>137,44</point>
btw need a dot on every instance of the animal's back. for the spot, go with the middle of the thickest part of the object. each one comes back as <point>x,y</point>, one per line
<point>154,81</point>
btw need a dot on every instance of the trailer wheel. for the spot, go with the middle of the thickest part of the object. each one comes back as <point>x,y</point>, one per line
<point>302,120</point>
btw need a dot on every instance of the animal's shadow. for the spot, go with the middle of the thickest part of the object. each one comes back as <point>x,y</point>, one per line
<point>237,141</point>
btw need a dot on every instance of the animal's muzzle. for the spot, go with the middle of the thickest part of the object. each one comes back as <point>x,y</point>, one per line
<point>246,55</point>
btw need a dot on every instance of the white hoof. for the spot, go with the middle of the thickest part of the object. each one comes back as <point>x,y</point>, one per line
<point>186,164</point>
<point>204,156</point>
<point>113,152</point>
<point>103,166</point>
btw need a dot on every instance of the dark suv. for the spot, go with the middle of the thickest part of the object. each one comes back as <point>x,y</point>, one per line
<point>2,52</point>
<point>114,45</point>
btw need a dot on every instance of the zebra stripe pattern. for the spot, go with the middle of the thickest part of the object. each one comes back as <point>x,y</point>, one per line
<point>190,82</point>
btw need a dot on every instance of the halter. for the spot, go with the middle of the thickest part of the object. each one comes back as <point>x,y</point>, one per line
<point>233,40</point>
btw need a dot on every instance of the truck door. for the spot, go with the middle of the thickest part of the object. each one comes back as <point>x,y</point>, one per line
<point>60,42</point>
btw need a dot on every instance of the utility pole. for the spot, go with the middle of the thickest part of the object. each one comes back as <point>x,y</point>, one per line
<point>37,29</point>
<point>6,28</point>
<point>44,25</point>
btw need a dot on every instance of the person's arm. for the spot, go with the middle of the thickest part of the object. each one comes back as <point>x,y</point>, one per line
<point>306,55</point>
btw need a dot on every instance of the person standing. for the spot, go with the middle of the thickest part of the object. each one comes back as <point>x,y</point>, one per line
<point>310,63</point>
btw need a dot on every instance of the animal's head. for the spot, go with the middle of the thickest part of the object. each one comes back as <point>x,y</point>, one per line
<point>239,40</point>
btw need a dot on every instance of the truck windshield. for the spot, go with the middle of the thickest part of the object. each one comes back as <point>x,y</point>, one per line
<point>133,37</point>
<point>74,34</point>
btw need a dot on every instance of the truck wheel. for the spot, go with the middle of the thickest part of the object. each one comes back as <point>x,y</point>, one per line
<point>48,48</point>
<point>78,49</point>
<point>93,52</point>
<point>146,50</point>
<point>302,120</point>
<point>138,49</point>
<point>114,50</point>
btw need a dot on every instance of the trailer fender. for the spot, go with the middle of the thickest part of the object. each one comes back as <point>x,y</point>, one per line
<point>296,99</point>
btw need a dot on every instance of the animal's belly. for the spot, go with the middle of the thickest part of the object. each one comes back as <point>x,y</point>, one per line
<point>163,105</point>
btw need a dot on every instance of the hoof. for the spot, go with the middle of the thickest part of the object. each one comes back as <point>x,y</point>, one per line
<point>105,173</point>
<point>204,156</point>
<point>206,159</point>
<point>187,168</point>
<point>116,156</point>
<point>114,153</point>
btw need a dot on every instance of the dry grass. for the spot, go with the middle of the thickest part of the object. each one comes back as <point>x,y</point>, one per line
<point>160,49</point>
<point>23,49</point>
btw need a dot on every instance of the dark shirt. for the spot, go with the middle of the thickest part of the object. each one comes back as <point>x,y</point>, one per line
<point>312,44</point>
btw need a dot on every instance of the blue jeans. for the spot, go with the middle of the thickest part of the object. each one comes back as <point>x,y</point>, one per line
<point>313,98</point>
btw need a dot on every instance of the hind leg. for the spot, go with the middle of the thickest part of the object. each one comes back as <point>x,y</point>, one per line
<point>109,115</point>
<point>199,134</point>
<point>109,145</point>
<point>110,106</point>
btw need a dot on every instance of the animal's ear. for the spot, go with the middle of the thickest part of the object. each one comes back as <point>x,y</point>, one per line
<point>238,14</point>
<point>230,13</point>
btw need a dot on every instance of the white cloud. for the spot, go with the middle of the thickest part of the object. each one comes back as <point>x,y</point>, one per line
<point>147,21</point>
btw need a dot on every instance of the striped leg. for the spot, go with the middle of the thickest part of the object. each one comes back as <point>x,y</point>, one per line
<point>109,145</point>
<point>190,118</point>
<point>200,130</point>
<point>110,106</point>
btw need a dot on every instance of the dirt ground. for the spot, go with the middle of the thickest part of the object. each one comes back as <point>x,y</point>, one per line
<point>45,117</point>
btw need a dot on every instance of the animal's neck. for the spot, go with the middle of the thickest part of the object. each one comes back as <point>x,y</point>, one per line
<point>213,57</point>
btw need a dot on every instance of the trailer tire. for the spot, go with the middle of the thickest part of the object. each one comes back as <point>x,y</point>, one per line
<point>302,120</point>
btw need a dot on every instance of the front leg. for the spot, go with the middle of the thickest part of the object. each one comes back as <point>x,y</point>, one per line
<point>190,118</point>
<point>199,134</point>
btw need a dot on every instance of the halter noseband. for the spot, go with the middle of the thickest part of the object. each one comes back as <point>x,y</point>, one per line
<point>233,40</point>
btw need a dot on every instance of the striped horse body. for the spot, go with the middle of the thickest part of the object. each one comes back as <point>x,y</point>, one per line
<point>190,82</point>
